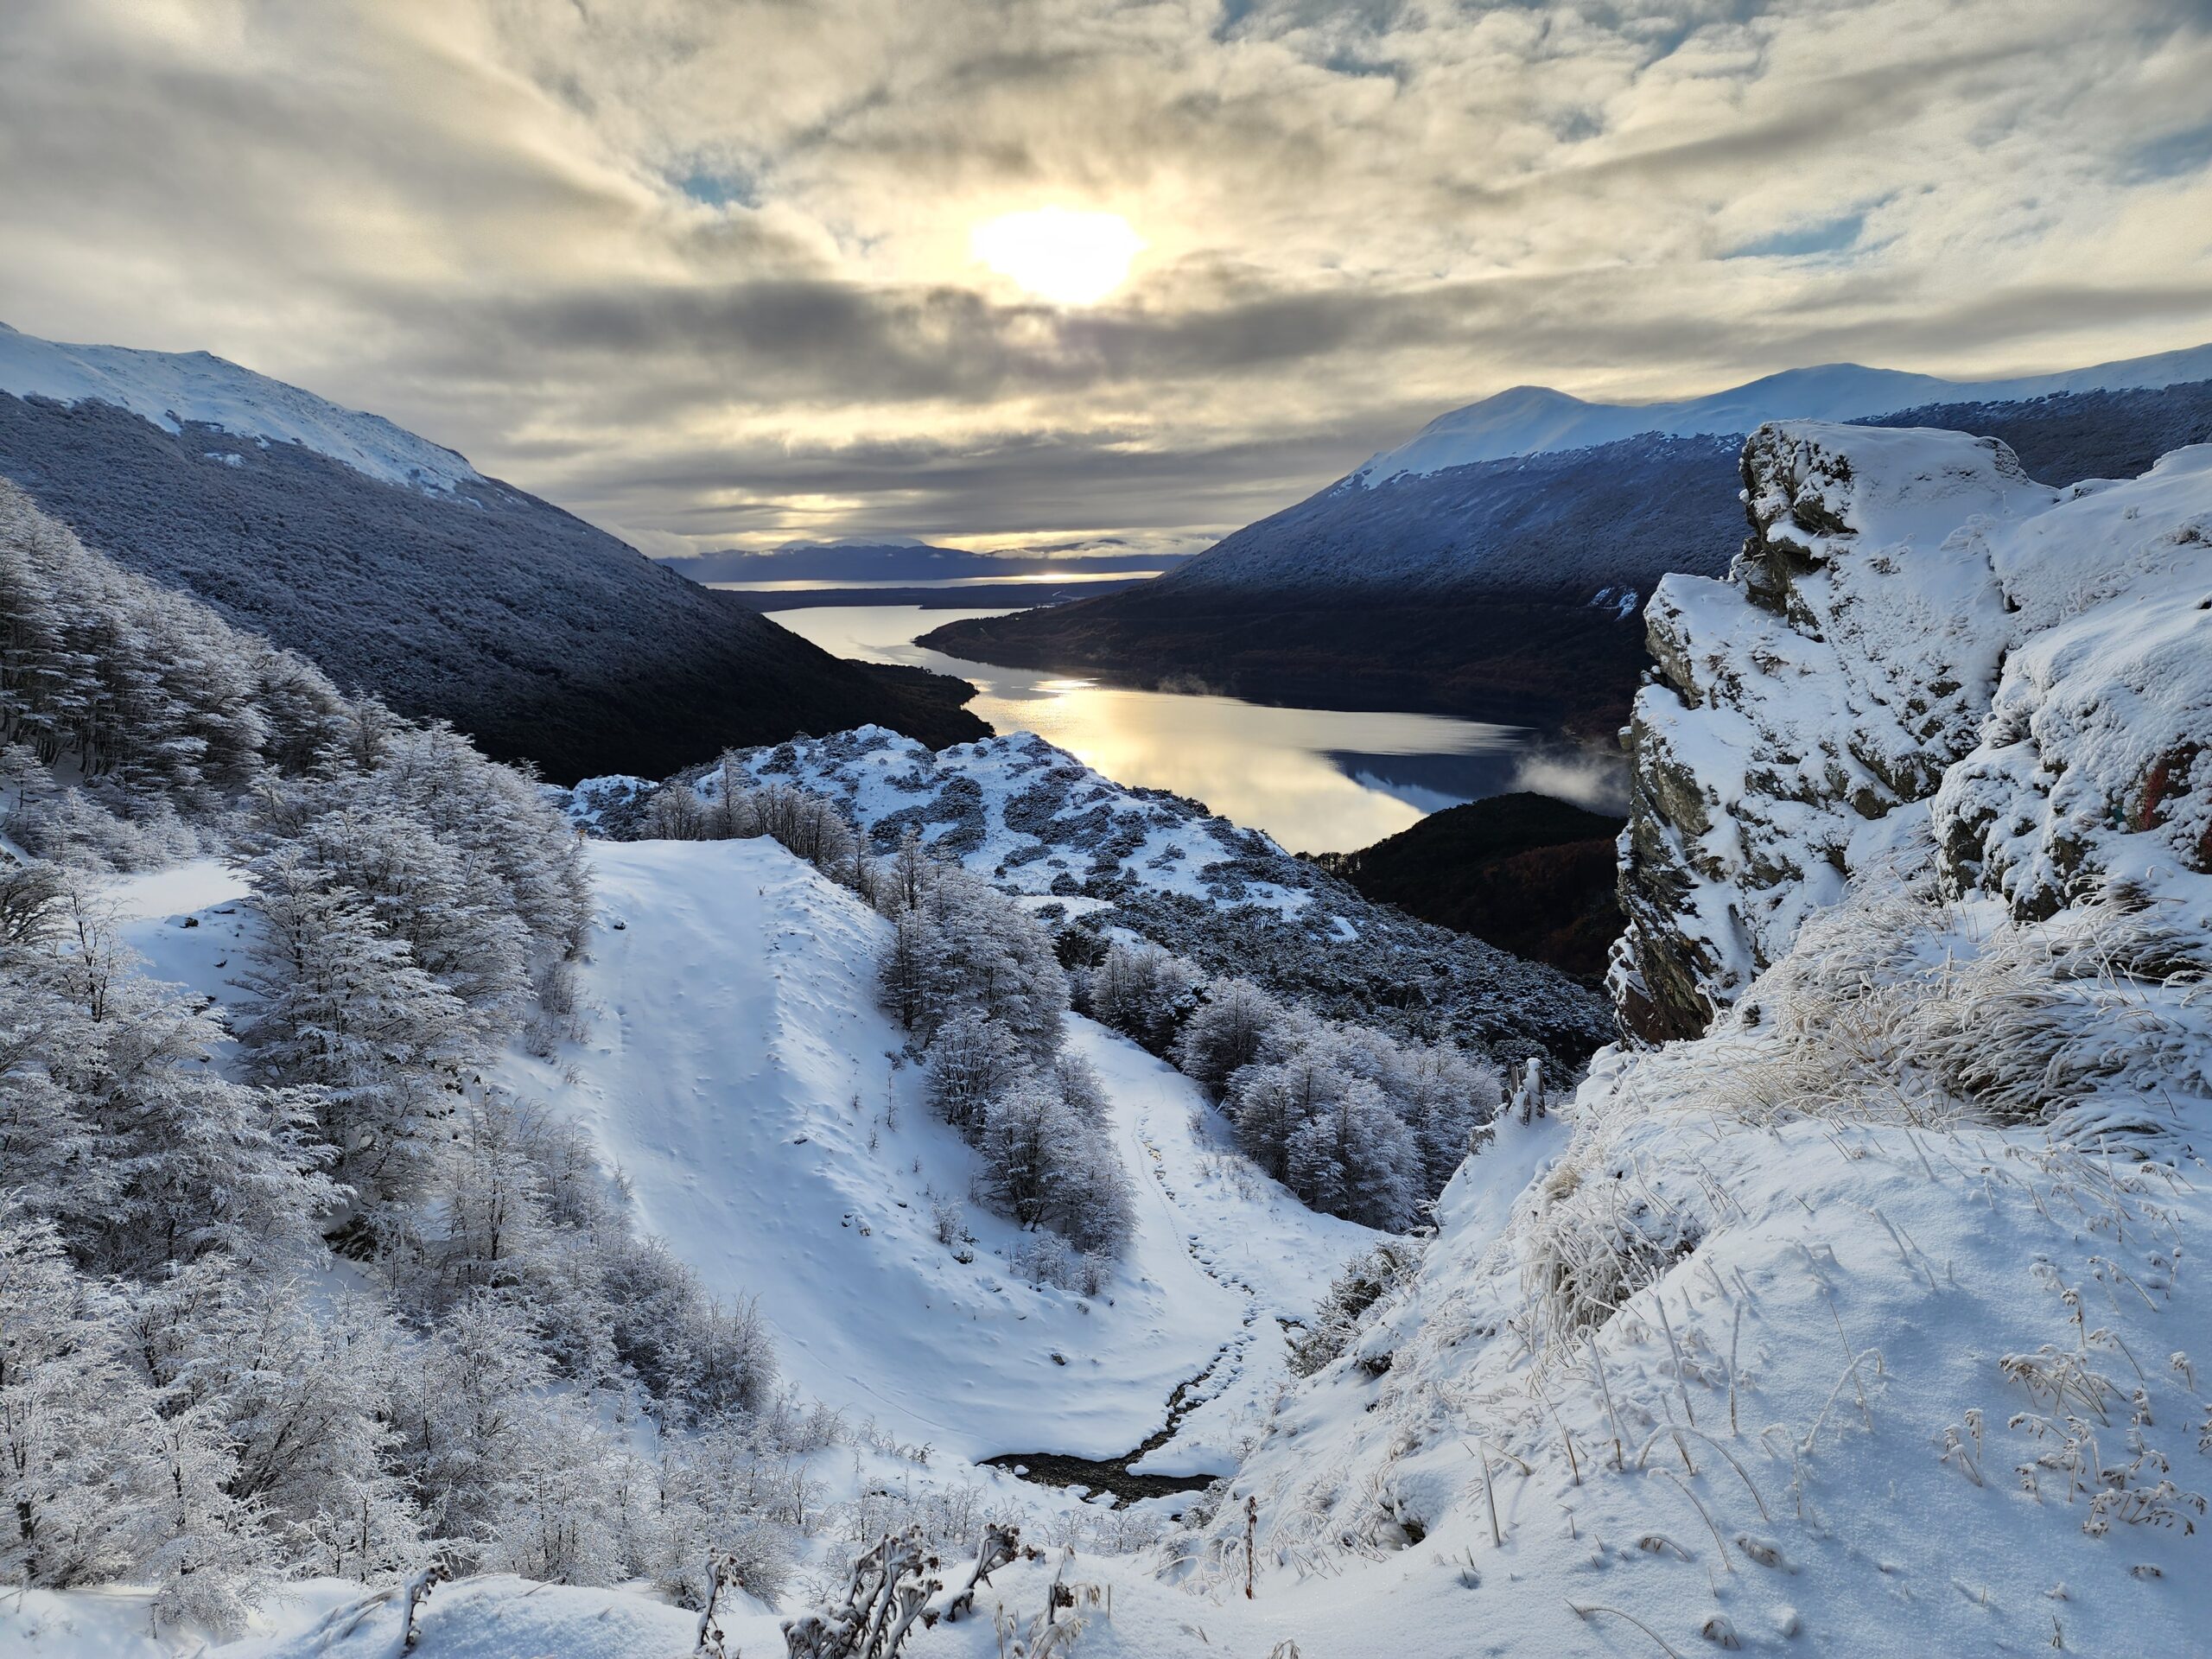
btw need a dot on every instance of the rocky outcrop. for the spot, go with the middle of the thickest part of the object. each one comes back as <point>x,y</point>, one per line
<point>1913,622</point>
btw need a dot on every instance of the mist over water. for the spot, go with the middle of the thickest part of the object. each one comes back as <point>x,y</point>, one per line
<point>1316,779</point>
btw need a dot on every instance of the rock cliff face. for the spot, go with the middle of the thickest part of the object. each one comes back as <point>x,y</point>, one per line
<point>1913,622</point>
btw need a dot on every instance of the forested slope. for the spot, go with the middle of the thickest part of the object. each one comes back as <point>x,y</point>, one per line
<point>542,636</point>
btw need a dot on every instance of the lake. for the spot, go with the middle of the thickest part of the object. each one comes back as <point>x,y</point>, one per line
<point>1316,779</point>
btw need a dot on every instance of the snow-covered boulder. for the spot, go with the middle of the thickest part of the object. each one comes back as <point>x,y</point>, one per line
<point>1912,619</point>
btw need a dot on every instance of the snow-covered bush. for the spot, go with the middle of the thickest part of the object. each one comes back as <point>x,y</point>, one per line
<point>1142,992</point>
<point>1898,1006</point>
<point>1048,1160</point>
<point>1354,1122</point>
<point>1365,1280</point>
<point>1225,1033</point>
<point>973,1062</point>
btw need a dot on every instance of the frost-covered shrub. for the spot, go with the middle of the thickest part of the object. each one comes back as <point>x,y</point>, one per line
<point>1895,1007</point>
<point>1598,1241</point>
<point>972,1063</point>
<point>71,828</point>
<point>146,693</point>
<point>948,1222</point>
<point>961,948</point>
<point>1047,1259</point>
<point>1225,1033</point>
<point>1142,992</point>
<point>1364,1281</point>
<point>1048,1160</point>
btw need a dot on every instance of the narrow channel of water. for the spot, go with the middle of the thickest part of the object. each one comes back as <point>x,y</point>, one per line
<point>1115,1475</point>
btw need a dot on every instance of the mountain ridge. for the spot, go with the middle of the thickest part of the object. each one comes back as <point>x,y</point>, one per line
<point>1494,590</point>
<point>1541,420</point>
<point>403,571</point>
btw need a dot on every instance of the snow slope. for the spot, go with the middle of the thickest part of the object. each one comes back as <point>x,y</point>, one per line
<point>1536,419</point>
<point>172,387</point>
<point>1071,843</point>
<point>739,1075</point>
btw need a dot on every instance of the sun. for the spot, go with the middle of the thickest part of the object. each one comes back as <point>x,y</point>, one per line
<point>1059,254</point>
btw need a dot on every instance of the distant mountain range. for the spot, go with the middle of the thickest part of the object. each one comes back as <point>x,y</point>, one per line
<point>1536,419</point>
<point>900,561</point>
<point>403,571</point>
<point>1507,588</point>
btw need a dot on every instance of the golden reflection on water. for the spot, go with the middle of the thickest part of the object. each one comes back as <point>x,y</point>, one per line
<point>1269,768</point>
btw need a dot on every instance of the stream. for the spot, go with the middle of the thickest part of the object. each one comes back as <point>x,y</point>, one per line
<point>1114,1474</point>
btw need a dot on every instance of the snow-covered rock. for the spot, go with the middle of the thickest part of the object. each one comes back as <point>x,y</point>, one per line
<point>172,387</point>
<point>1913,620</point>
<point>1536,419</point>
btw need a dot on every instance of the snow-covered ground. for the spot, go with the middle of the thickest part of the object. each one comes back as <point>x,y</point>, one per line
<point>739,1074</point>
<point>170,388</point>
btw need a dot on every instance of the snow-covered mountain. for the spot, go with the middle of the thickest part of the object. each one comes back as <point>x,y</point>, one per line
<point>1536,419</point>
<point>1861,1318</point>
<point>1506,589</point>
<point>175,389</point>
<point>401,570</point>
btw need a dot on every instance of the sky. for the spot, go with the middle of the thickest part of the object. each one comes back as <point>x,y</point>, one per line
<point>725,273</point>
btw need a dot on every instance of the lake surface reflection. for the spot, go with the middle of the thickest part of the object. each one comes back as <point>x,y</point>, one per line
<point>1316,779</point>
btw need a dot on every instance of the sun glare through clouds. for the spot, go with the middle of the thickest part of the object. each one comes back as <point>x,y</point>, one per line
<point>1057,253</point>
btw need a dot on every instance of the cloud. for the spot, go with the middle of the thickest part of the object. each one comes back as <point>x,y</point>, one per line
<point>700,268</point>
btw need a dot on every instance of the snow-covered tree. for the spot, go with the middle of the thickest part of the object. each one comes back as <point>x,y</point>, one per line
<point>338,1007</point>
<point>1225,1032</point>
<point>1142,992</point>
<point>72,1476</point>
<point>974,1061</point>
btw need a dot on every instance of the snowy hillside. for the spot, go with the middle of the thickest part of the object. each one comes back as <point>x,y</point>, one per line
<point>400,571</point>
<point>1862,1323</point>
<point>1080,847</point>
<point>737,1071</point>
<point>1535,420</point>
<point>741,1075</point>
<point>173,388</point>
<point>1914,619</point>
<point>395,1176</point>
